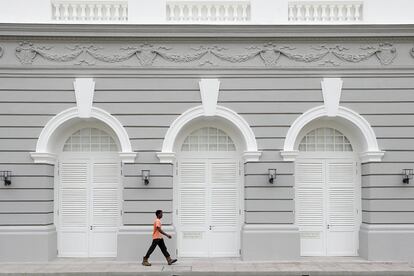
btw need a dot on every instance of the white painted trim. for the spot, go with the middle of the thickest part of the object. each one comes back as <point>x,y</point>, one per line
<point>166,157</point>
<point>44,151</point>
<point>331,92</point>
<point>398,228</point>
<point>371,152</point>
<point>84,90</point>
<point>167,154</point>
<point>289,155</point>
<point>44,157</point>
<point>251,156</point>
<point>209,90</point>
<point>25,229</point>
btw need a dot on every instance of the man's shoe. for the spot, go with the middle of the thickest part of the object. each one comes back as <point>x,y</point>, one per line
<point>145,262</point>
<point>171,261</point>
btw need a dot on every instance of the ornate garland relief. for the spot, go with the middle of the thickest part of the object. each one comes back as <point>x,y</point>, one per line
<point>269,53</point>
<point>1,51</point>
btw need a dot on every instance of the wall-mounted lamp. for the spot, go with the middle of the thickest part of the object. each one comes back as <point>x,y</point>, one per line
<point>407,175</point>
<point>272,175</point>
<point>145,176</point>
<point>6,175</point>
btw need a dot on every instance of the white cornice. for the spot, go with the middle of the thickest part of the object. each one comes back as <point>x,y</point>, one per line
<point>205,31</point>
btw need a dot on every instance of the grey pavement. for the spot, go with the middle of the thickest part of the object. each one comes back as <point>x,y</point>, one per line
<point>212,266</point>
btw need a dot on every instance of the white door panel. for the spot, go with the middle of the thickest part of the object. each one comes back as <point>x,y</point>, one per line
<point>326,204</point>
<point>89,206</point>
<point>73,208</point>
<point>208,208</point>
<point>192,193</point>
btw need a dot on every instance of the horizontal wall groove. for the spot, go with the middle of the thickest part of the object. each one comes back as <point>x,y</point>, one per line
<point>129,212</point>
<point>139,102</point>
<point>390,187</point>
<point>16,189</point>
<point>26,213</point>
<point>270,199</point>
<point>146,138</point>
<point>268,174</point>
<point>386,223</point>
<point>267,211</point>
<point>48,224</point>
<point>152,175</point>
<point>147,188</point>
<point>136,224</point>
<point>273,198</point>
<point>268,186</point>
<point>390,198</point>
<point>387,211</point>
<point>137,200</point>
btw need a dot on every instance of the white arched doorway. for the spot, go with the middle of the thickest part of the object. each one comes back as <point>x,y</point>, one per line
<point>328,152</point>
<point>87,154</point>
<point>208,191</point>
<point>88,194</point>
<point>209,174</point>
<point>327,193</point>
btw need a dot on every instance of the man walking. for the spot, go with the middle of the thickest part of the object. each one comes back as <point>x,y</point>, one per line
<point>158,240</point>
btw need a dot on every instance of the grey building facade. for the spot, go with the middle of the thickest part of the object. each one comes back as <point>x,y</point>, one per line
<point>260,142</point>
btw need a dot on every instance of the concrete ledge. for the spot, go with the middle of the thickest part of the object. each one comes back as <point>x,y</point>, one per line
<point>28,243</point>
<point>386,242</point>
<point>270,242</point>
<point>134,241</point>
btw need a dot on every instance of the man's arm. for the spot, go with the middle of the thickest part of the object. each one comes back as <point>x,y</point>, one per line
<point>162,232</point>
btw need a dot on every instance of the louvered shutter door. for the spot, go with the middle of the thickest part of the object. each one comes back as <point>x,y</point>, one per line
<point>105,211</point>
<point>73,209</point>
<point>224,207</point>
<point>341,208</point>
<point>193,209</point>
<point>310,206</point>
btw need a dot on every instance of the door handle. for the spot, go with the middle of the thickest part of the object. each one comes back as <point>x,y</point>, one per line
<point>328,226</point>
<point>211,227</point>
<point>91,227</point>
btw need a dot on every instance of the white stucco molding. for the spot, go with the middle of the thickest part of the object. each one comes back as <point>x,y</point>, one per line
<point>44,152</point>
<point>331,91</point>
<point>370,153</point>
<point>251,153</point>
<point>209,90</point>
<point>84,90</point>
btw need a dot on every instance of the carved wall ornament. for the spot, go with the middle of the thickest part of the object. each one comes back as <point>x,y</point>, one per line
<point>412,52</point>
<point>385,52</point>
<point>146,53</point>
<point>1,51</point>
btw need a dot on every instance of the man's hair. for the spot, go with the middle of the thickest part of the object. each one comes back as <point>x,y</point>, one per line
<point>158,212</point>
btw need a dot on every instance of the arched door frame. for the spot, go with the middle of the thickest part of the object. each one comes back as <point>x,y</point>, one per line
<point>238,155</point>
<point>363,134</point>
<point>250,153</point>
<point>46,149</point>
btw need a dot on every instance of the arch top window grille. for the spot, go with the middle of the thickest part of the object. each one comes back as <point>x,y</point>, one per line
<point>325,139</point>
<point>90,140</point>
<point>208,139</point>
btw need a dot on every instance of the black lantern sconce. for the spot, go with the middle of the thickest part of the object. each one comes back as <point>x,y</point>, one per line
<point>272,175</point>
<point>407,175</point>
<point>145,176</point>
<point>6,175</point>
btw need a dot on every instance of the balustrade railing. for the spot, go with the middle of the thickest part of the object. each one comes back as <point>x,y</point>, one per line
<point>112,11</point>
<point>325,11</point>
<point>208,11</point>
